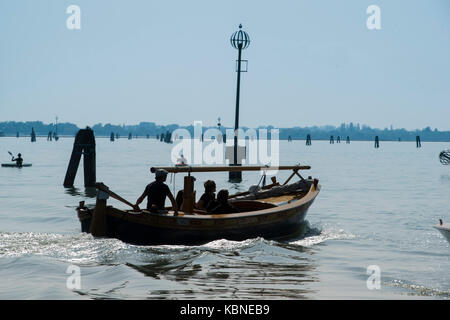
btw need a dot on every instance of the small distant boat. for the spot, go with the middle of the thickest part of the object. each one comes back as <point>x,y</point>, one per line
<point>273,212</point>
<point>444,228</point>
<point>14,165</point>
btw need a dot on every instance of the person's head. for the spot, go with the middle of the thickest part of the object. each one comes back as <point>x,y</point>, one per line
<point>19,155</point>
<point>210,186</point>
<point>222,196</point>
<point>161,175</point>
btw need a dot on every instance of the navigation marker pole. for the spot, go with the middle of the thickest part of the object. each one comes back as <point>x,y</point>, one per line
<point>240,41</point>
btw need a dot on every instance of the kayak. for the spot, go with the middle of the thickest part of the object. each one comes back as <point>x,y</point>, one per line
<point>14,165</point>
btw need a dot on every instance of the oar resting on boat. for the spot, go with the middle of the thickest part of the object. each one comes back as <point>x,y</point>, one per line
<point>102,187</point>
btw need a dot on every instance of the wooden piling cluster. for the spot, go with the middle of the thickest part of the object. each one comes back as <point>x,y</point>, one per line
<point>84,144</point>
<point>308,140</point>
<point>165,137</point>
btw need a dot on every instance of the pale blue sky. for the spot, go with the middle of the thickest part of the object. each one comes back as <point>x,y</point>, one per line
<point>310,62</point>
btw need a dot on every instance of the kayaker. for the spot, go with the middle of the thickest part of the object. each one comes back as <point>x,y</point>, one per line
<point>221,205</point>
<point>207,198</point>
<point>156,193</point>
<point>18,160</point>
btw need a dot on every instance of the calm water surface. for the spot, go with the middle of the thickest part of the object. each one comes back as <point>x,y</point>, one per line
<point>376,207</point>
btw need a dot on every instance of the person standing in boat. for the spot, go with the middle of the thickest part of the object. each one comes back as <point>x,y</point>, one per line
<point>208,198</point>
<point>18,160</point>
<point>156,193</point>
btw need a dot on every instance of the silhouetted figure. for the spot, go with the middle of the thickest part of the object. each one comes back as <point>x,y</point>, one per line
<point>418,144</point>
<point>221,205</point>
<point>331,140</point>
<point>377,142</point>
<point>18,160</point>
<point>207,199</point>
<point>348,139</point>
<point>156,193</point>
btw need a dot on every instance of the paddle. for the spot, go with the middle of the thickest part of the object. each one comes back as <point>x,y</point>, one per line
<point>101,186</point>
<point>11,155</point>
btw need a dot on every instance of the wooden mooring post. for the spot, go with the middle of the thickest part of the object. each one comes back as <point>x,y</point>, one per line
<point>308,140</point>
<point>377,142</point>
<point>84,144</point>
<point>418,144</point>
<point>33,135</point>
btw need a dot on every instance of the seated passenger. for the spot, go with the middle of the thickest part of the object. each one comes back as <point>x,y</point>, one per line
<point>208,198</point>
<point>221,205</point>
<point>179,199</point>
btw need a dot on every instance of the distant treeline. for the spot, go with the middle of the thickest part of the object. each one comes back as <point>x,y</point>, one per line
<point>354,132</point>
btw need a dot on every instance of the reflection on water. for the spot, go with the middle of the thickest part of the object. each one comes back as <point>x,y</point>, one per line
<point>89,192</point>
<point>263,269</point>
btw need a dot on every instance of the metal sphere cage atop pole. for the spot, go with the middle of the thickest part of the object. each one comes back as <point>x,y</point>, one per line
<point>240,39</point>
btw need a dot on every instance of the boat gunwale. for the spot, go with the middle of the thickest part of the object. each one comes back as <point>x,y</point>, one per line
<point>138,217</point>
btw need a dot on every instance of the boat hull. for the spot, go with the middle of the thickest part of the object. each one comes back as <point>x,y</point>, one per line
<point>155,229</point>
<point>444,230</point>
<point>13,165</point>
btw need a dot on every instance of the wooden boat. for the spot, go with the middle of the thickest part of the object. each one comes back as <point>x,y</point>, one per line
<point>276,211</point>
<point>444,228</point>
<point>14,165</point>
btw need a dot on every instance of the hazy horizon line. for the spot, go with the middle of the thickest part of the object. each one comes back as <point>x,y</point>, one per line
<point>355,125</point>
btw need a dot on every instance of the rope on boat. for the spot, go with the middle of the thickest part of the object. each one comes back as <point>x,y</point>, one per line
<point>444,157</point>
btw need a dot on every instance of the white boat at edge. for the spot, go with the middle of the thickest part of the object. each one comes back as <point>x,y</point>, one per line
<point>444,229</point>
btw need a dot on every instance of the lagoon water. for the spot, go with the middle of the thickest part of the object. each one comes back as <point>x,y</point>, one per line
<point>376,208</point>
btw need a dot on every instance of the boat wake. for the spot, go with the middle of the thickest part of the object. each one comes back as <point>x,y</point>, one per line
<point>314,235</point>
<point>77,248</point>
